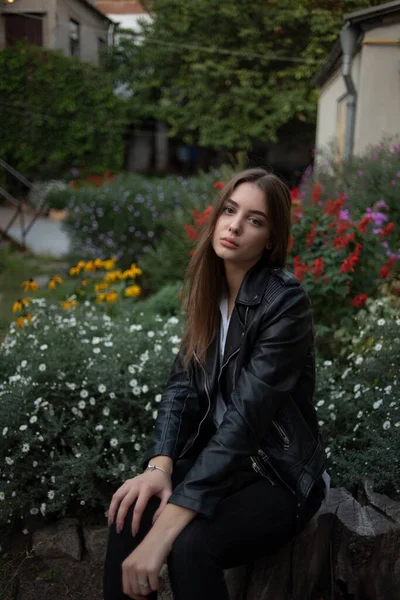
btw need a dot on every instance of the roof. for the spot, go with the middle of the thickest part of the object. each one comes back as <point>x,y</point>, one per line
<point>97,11</point>
<point>360,20</point>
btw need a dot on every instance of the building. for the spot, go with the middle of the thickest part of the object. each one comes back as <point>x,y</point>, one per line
<point>76,27</point>
<point>124,12</point>
<point>359,82</point>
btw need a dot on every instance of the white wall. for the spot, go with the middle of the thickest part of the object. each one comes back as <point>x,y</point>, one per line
<point>378,112</point>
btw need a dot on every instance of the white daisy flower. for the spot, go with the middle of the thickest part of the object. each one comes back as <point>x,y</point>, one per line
<point>23,427</point>
<point>99,428</point>
<point>106,411</point>
<point>157,348</point>
<point>33,419</point>
<point>173,320</point>
<point>137,446</point>
<point>102,388</point>
<point>359,360</point>
<point>42,367</point>
<point>175,350</point>
<point>34,511</point>
<point>328,363</point>
<point>25,448</point>
<point>150,334</point>
<point>92,401</point>
<point>145,389</point>
<point>333,416</point>
<point>34,464</point>
<point>51,494</point>
<point>43,347</point>
<point>378,347</point>
<point>320,402</point>
<point>9,460</point>
<point>84,394</point>
<point>381,322</point>
<point>132,369</point>
<point>114,442</point>
<point>320,423</point>
<point>377,404</point>
<point>108,344</point>
<point>43,508</point>
<point>81,404</point>
<point>148,406</point>
<point>2,497</point>
<point>359,414</point>
<point>96,340</point>
<point>155,414</point>
<point>112,395</point>
<point>357,387</point>
<point>158,398</point>
<point>5,429</point>
<point>387,425</point>
<point>96,350</point>
<point>24,363</point>
<point>356,426</point>
<point>133,382</point>
<point>136,390</point>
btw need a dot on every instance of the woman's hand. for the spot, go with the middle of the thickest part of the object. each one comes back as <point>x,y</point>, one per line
<point>141,489</point>
<point>143,566</point>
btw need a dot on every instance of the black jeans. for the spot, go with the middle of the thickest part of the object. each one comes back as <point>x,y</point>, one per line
<point>253,521</point>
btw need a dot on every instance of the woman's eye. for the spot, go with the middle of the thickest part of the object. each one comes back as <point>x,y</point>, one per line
<point>255,221</point>
<point>227,209</point>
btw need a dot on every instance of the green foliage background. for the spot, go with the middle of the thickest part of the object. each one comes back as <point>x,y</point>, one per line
<point>57,113</point>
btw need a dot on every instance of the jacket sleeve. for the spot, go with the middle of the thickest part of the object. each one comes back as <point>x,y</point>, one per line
<point>264,383</point>
<point>178,413</point>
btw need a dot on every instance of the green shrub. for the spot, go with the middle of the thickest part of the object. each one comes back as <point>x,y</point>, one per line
<point>70,118</point>
<point>78,396</point>
<point>358,402</point>
<point>128,216</point>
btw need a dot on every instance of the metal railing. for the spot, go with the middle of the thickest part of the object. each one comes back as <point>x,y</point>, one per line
<point>19,212</point>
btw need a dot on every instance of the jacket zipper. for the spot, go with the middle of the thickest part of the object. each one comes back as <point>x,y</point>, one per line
<point>283,434</point>
<point>258,469</point>
<point>208,409</point>
<point>267,460</point>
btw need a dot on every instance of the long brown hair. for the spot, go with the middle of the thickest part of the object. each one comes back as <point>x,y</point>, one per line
<point>205,276</point>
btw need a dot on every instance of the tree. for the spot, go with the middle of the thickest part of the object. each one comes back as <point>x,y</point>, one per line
<point>226,74</point>
<point>57,113</point>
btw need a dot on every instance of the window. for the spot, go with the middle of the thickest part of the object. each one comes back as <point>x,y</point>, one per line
<point>74,38</point>
<point>26,27</point>
<point>341,126</point>
<point>102,49</point>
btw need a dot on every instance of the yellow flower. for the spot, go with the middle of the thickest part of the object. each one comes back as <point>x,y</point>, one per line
<point>52,284</point>
<point>136,269</point>
<point>71,303</point>
<point>18,306</point>
<point>57,278</point>
<point>112,276</point>
<point>100,297</point>
<point>29,285</point>
<point>100,286</point>
<point>22,321</point>
<point>98,263</point>
<point>90,266</point>
<point>111,297</point>
<point>74,271</point>
<point>133,290</point>
<point>81,264</point>
<point>109,263</point>
<point>84,282</point>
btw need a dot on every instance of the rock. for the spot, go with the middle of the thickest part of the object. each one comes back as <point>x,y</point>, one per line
<point>55,541</point>
<point>96,542</point>
<point>164,592</point>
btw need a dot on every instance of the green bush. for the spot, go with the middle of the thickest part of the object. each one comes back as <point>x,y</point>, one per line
<point>366,180</point>
<point>128,216</point>
<point>358,402</point>
<point>71,116</point>
<point>78,396</point>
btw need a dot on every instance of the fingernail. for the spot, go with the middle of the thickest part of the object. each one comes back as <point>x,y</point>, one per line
<point>118,529</point>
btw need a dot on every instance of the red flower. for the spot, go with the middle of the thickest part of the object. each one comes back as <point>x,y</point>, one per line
<point>318,268</point>
<point>359,300</point>
<point>295,193</point>
<point>363,224</point>
<point>342,227</point>
<point>333,207</point>
<point>385,270</point>
<point>349,263</point>
<point>386,230</point>
<point>316,192</point>
<point>311,236</point>
<point>219,185</point>
<point>191,233</point>
<point>342,242</point>
<point>202,218</point>
<point>300,269</point>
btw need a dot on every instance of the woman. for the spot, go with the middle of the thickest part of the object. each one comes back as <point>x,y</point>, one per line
<point>235,465</point>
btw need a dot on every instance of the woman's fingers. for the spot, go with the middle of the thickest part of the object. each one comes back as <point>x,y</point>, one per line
<point>123,509</point>
<point>141,503</point>
<point>115,500</point>
<point>165,496</point>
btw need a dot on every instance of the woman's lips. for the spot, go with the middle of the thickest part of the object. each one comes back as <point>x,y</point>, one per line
<point>228,243</point>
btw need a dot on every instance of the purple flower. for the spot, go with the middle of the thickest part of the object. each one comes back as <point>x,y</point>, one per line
<point>382,204</point>
<point>361,173</point>
<point>393,182</point>
<point>398,173</point>
<point>74,172</point>
<point>344,215</point>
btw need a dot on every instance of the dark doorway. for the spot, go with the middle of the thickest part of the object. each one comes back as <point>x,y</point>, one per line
<point>24,27</point>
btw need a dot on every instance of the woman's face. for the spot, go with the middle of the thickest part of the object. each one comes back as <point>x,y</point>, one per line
<point>242,230</point>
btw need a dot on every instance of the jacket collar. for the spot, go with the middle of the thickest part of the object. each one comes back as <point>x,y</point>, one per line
<point>254,283</point>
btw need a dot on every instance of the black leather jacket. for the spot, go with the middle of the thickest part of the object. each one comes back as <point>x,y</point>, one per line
<point>267,380</point>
